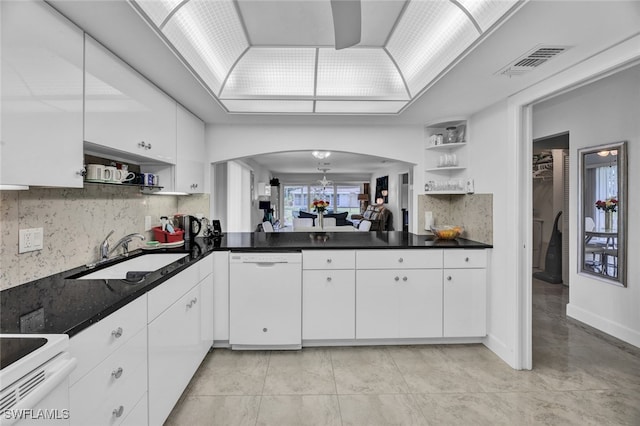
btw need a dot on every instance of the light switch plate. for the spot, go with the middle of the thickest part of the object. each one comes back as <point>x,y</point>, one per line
<point>31,239</point>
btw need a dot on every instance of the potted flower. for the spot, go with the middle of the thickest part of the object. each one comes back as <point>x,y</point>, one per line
<point>320,206</point>
<point>609,206</point>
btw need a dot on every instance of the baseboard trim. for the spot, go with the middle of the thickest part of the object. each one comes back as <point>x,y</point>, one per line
<point>499,348</point>
<point>605,325</point>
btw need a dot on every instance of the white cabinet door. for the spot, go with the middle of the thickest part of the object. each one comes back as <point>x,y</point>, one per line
<point>42,74</point>
<point>206,312</point>
<point>328,304</point>
<point>220,296</point>
<point>465,302</point>
<point>398,303</point>
<point>124,111</point>
<point>174,354</point>
<point>190,152</point>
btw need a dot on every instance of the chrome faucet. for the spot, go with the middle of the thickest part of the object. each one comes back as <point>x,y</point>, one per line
<point>105,251</point>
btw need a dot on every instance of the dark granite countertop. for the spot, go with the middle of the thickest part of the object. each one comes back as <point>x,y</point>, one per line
<point>72,305</point>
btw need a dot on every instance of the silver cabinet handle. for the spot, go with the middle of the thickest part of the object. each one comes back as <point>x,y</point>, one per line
<point>117,412</point>
<point>397,278</point>
<point>144,145</point>
<point>117,333</point>
<point>117,373</point>
<point>329,260</point>
<point>449,278</point>
<point>195,300</point>
<point>466,259</point>
<point>328,279</point>
<point>404,278</point>
<point>401,260</point>
<point>82,172</point>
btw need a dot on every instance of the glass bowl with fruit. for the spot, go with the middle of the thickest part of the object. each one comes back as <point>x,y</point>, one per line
<point>447,232</point>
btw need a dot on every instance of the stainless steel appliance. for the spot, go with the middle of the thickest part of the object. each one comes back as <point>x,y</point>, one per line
<point>189,224</point>
<point>265,299</point>
<point>34,379</point>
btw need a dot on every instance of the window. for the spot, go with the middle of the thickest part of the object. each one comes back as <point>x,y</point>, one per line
<point>342,198</point>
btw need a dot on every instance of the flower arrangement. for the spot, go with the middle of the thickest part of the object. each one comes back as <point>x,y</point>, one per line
<point>608,205</point>
<point>320,205</point>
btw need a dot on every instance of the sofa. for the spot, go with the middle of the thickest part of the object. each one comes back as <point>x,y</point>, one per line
<point>341,218</point>
<point>379,216</point>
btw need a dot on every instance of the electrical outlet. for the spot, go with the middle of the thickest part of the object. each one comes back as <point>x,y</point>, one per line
<point>30,240</point>
<point>147,223</point>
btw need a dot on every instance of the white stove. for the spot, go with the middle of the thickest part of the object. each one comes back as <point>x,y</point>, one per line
<point>34,379</point>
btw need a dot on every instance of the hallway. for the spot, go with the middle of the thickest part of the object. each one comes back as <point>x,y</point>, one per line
<point>580,377</point>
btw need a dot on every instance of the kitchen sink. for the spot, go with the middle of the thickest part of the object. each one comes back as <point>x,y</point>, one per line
<point>145,263</point>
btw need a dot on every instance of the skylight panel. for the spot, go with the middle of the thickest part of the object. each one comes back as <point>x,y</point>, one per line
<point>487,12</point>
<point>359,73</point>
<point>158,10</point>
<point>270,72</point>
<point>430,36</point>
<point>210,37</point>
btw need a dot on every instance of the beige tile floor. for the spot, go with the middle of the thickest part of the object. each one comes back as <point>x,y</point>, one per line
<point>580,377</point>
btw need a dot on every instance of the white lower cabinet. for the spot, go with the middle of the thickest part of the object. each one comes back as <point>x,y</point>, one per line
<point>328,304</point>
<point>111,390</point>
<point>465,305</point>
<point>398,303</point>
<point>174,353</point>
<point>138,416</point>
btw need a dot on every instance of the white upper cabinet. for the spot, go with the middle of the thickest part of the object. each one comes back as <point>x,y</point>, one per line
<point>190,152</point>
<point>124,112</point>
<point>42,54</point>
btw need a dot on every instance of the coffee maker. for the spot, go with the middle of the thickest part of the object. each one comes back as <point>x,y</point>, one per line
<point>189,224</point>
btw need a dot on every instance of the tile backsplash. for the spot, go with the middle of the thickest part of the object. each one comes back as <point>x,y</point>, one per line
<point>75,222</point>
<point>473,211</point>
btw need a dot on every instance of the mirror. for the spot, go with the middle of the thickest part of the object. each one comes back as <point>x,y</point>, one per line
<point>602,212</point>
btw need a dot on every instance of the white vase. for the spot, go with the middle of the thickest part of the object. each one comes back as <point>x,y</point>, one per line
<point>321,220</point>
<point>608,220</point>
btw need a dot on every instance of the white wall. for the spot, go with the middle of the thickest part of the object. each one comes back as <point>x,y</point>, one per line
<point>394,198</point>
<point>488,150</point>
<point>602,112</point>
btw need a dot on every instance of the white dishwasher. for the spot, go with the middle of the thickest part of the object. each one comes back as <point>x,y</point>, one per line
<point>265,300</point>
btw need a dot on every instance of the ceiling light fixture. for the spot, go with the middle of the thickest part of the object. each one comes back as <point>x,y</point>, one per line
<point>324,182</point>
<point>321,155</point>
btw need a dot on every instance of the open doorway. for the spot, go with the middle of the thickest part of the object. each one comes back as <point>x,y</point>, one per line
<point>550,227</point>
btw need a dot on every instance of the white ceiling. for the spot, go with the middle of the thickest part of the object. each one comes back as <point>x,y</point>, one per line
<point>310,23</point>
<point>588,27</point>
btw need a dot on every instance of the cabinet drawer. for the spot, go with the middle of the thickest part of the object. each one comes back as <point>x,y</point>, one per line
<point>465,258</point>
<point>398,259</point>
<point>138,416</point>
<point>118,381</point>
<point>329,259</point>
<point>163,296</point>
<point>97,342</point>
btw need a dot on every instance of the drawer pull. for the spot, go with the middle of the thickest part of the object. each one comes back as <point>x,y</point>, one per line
<point>117,412</point>
<point>117,333</point>
<point>404,278</point>
<point>328,279</point>
<point>264,330</point>
<point>449,278</point>
<point>194,300</point>
<point>397,278</point>
<point>466,259</point>
<point>329,260</point>
<point>401,260</point>
<point>117,373</point>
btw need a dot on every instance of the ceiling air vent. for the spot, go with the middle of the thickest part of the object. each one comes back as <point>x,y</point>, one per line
<point>532,59</point>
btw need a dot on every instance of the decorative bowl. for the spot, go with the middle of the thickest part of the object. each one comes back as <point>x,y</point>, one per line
<point>447,232</point>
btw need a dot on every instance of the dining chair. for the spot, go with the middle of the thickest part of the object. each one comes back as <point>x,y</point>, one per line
<point>267,227</point>
<point>365,226</point>
<point>329,221</point>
